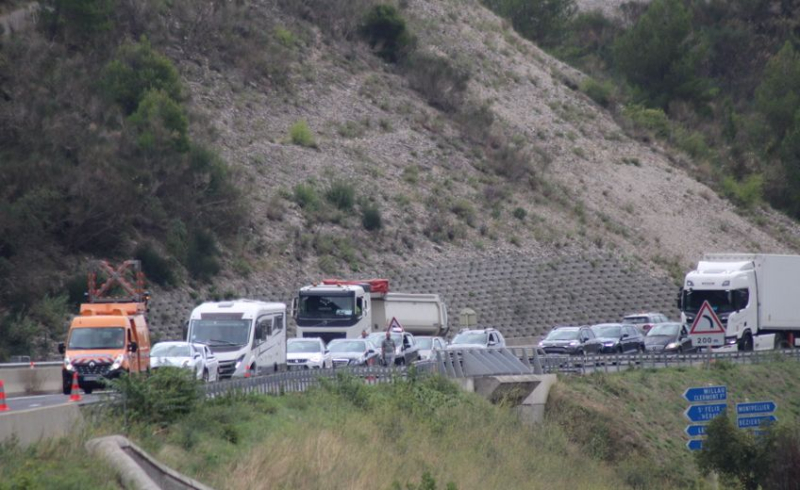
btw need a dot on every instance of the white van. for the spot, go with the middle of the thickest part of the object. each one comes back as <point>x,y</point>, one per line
<point>242,333</point>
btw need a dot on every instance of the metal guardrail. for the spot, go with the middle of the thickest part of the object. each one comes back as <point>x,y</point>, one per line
<point>463,363</point>
<point>32,365</point>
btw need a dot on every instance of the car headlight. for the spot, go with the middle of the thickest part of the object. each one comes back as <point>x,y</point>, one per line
<point>608,344</point>
<point>118,362</point>
<point>239,361</point>
<point>672,345</point>
<point>67,364</point>
<point>541,344</point>
<point>315,359</point>
<point>574,343</point>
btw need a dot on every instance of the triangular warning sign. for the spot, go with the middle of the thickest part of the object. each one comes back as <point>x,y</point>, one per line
<point>706,321</point>
<point>394,325</point>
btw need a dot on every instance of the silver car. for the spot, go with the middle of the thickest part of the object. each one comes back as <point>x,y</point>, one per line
<point>353,352</point>
<point>196,357</point>
<point>307,353</point>
<point>428,346</point>
<point>477,339</point>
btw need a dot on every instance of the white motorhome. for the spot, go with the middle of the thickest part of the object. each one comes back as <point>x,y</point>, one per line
<point>247,336</point>
<point>755,296</point>
<point>343,309</point>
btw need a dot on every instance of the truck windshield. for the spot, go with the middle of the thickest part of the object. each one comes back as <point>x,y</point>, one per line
<point>319,306</point>
<point>97,338</point>
<point>721,301</point>
<point>220,332</point>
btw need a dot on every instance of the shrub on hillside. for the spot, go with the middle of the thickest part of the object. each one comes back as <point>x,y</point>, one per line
<point>778,95</point>
<point>300,134</point>
<point>305,195</point>
<point>342,195</point>
<point>746,193</point>
<point>437,79</point>
<point>385,31</point>
<point>155,267</point>
<point>161,124</point>
<point>165,396</point>
<point>654,121</point>
<point>136,70</point>
<point>371,218</point>
<point>600,92</point>
<point>543,21</point>
<point>77,20</point>
<point>202,255</point>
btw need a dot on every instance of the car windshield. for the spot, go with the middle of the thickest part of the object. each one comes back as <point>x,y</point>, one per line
<point>377,338</point>
<point>470,338</point>
<point>332,306</point>
<point>97,338</point>
<point>425,344</point>
<point>563,334</point>
<point>670,329</point>
<point>607,331</point>
<point>304,347</point>
<point>636,320</point>
<point>220,332</point>
<point>348,346</point>
<point>170,350</point>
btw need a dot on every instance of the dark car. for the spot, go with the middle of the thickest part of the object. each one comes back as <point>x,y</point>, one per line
<point>668,337</point>
<point>617,338</point>
<point>570,340</point>
<point>353,352</point>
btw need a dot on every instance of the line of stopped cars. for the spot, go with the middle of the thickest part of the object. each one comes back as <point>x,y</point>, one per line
<point>636,333</point>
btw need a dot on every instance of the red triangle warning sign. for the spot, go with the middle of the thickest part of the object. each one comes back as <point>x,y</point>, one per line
<point>395,326</point>
<point>706,321</point>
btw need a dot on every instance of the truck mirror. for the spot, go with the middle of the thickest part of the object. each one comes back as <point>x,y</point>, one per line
<point>293,308</point>
<point>678,302</point>
<point>61,348</point>
<point>133,346</point>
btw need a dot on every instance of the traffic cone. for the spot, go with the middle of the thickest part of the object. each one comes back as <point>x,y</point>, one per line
<point>247,371</point>
<point>74,392</point>
<point>3,405</point>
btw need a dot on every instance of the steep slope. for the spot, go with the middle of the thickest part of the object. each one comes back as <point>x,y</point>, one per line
<point>589,191</point>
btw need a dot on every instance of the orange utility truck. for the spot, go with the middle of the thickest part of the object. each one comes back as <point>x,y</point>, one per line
<point>110,335</point>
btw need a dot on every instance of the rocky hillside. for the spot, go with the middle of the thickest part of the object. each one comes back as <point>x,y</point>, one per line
<point>479,150</point>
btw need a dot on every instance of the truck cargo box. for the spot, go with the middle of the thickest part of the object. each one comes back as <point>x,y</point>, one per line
<point>778,279</point>
<point>420,314</point>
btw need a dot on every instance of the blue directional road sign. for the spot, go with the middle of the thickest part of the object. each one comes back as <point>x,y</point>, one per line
<point>747,422</point>
<point>702,394</point>
<point>696,430</point>
<point>695,444</point>
<point>704,413</point>
<point>755,408</point>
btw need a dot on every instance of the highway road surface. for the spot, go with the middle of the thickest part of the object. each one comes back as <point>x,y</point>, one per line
<point>36,401</point>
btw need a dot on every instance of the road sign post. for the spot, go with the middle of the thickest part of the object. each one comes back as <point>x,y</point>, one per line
<point>707,329</point>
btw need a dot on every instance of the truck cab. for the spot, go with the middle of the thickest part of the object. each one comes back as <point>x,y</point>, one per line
<point>246,336</point>
<point>333,311</point>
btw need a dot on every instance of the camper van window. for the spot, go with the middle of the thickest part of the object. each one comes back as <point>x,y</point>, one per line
<point>97,338</point>
<point>326,306</point>
<point>217,333</point>
<point>278,323</point>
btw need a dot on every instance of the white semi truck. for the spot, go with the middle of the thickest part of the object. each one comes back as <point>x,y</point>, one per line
<point>343,309</point>
<point>755,296</point>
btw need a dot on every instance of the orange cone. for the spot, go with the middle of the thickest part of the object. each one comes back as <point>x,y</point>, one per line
<point>3,405</point>
<point>247,371</point>
<point>74,393</point>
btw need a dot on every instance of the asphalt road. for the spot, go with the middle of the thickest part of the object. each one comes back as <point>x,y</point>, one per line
<point>36,401</point>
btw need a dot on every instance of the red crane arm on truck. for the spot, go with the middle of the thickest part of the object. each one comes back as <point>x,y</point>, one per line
<point>376,286</point>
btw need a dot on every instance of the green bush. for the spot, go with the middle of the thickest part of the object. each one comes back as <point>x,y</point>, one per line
<point>385,31</point>
<point>167,395</point>
<point>305,195</point>
<point>438,80</point>
<point>342,195</point>
<point>78,20</point>
<point>300,134</point>
<point>202,255</point>
<point>778,95</point>
<point>155,267</point>
<point>371,217</point>
<point>464,210</point>
<point>652,120</point>
<point>136,70</point>
<point>161,124</point>
<point>746,193</point>
<point>600,92</point>
<point>520,213</point>
<point>544,21</point>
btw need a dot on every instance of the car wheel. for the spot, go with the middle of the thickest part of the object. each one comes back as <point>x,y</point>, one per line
<point>88,391</point>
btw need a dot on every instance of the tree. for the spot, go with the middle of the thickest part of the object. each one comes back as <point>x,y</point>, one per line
<point>544,21</point>
<point>778,96</point>
<point>78,20</point>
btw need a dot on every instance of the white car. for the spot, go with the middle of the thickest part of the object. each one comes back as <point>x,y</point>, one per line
<point>428,347</point>
<point>197,357</point>
<point>307,353</point>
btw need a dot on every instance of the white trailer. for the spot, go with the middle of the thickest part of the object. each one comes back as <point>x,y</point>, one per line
<point>247,336</point>
<point>344,309</point>
<point>755,296</point>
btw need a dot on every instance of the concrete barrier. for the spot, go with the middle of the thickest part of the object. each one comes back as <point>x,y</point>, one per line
<point>527,393</point>
<point>33,425</point>
<point>137,469</point>
<point>30,381</point>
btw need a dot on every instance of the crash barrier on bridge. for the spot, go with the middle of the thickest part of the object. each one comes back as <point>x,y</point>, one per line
<point>565,364</point>
<point>31,378</point>
<point>299,381</point>
<point>137,469</point>
<point>29,426</point>
<point>463,363</point>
